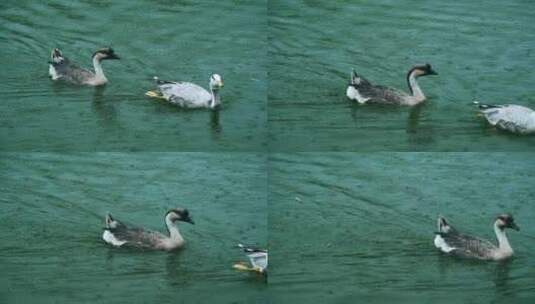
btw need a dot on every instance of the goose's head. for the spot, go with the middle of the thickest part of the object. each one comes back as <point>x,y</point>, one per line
<point>216,82</point>
<point>178,214</point>
<point>422,70</point>
<point>506,221</point>
<point>105,53</point>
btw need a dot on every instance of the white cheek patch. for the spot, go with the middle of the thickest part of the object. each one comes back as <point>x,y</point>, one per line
<point>441,244</point>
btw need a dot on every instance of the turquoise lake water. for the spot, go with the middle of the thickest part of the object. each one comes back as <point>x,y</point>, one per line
<point>53,208</point>
<point>347,226</point>
<point>187,40</point>
<point>481,49</point>
<point>345,197</point>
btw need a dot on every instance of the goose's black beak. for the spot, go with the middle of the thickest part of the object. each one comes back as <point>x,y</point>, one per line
<point>514,226</point>
<point>188,220</point>
<point>432,72</point>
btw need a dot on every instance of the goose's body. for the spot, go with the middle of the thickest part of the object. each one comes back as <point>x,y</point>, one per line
<point>118,234</point>
<point>189,95</point>
<point>362,91</point>
<point>257,257</point>
<point>61,68</point>
<point>512,118</point>
<point>450,241</point>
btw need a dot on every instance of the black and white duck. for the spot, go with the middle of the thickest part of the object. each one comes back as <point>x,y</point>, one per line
<point>61,68</point>
<point>451,241</point>
<point>120,235</point>
<point>363,91</point>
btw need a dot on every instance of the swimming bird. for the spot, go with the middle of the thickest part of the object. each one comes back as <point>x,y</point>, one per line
<point>61,68</point>
<point>189,95</point>
<point>118,234</point>
<point>363,91</point>
<point>450,241</point>
<point>257,257</point>
<point>512,118</point>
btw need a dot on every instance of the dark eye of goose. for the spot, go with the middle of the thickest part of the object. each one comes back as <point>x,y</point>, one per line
<point>106,51</point>
<point>506,219</point>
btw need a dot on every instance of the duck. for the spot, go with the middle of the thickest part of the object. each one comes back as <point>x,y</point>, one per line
<point>363,91</point>
<point>189,95</point>
<point>118,234</point>
<point>450,241</point>
<point>61,68</point>
<point>509,117</point>
<point>257,257</point>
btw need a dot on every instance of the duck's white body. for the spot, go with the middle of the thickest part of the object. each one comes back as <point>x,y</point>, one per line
<point>512,118</point>
<point>189,95</point>
<point>257,257</point>
<point>118,234</point>
<point>449,241</point>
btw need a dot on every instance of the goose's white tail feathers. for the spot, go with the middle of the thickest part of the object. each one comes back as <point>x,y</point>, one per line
<point>442,227</point>
<point>109,238</point>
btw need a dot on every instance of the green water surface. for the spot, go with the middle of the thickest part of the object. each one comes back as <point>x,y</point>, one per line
<point>481,49</point>
<point>341,227</point>
<point>348,226</point>
<point>53,208</point>
<point>184,40</point>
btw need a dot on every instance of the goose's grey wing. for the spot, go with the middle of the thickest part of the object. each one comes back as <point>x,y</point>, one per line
<point>186,94</point>
<point>71,72</point>
<point>370,93</point>
<point>514,118</point>
<point>375,93</point>
<point>138,237</point>
<point>468,246</point>
<point>382,94</point>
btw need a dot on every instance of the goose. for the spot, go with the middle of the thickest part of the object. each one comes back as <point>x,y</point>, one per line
<point>257,257</point>
<point>363,91</point>
<point>509,117</point>
<point>189,95</point>
<point>61,68</point>
<point>119,235</point>
<point>450,241</point>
